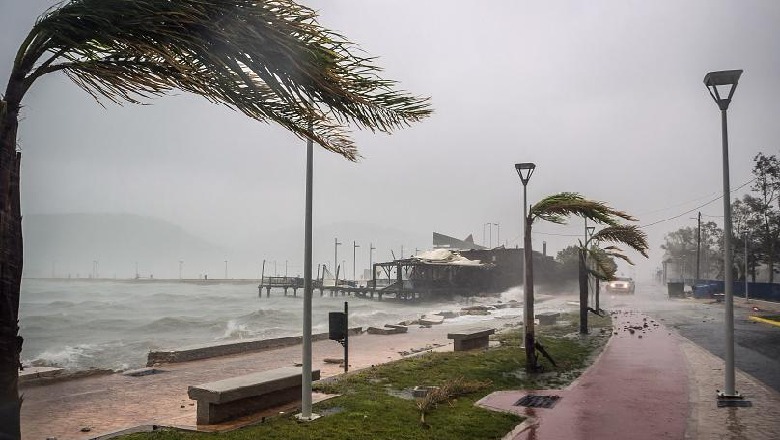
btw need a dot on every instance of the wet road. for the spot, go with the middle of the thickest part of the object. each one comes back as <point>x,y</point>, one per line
<point>757,345</point>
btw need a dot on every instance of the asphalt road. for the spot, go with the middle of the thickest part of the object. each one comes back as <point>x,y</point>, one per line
<point>757,345</point>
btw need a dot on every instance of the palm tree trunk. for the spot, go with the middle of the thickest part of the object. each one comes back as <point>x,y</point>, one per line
<point>10,268</point>
<point>583,294</point>
<point>528,320</point>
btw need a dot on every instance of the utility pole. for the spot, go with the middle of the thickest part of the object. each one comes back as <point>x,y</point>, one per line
<point>747,297</point>
<point>698,249</point>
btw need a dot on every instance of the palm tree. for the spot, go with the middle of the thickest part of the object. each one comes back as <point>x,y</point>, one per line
<point>268,59</point>
<point>603,266</point>
<point>558,208</point>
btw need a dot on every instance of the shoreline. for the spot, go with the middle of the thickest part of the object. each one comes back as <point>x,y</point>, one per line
<point>113,402</point>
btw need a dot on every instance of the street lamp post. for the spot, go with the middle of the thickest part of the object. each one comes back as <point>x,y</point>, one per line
<point>306,402</point>
<point>354,253</point>
<point>226,272</point>
<point>525,170</point>
<point>498,234</point>
<point>728,79</point>
<point>336,245</point>
<point>371,250</point>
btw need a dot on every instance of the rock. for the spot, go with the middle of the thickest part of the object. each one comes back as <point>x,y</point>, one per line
<point>86,429</point>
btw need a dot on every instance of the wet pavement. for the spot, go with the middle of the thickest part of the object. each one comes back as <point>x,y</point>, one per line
<point>650,382</point>
<point>637,385</point>
<point>109,403</point>
<point>653,383</point>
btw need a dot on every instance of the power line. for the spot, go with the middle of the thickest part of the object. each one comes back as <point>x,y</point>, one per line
<point>698,207</point>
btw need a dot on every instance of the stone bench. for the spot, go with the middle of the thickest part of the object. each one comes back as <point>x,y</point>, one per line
<point>238,396</point>
<point>471,339</point>
<point>547,318</point>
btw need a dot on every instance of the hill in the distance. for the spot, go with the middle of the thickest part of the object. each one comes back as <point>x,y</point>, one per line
<point>78,245</point>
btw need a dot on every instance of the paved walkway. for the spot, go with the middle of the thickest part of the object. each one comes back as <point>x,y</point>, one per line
<point>648,383</point>
<point>109,403</point>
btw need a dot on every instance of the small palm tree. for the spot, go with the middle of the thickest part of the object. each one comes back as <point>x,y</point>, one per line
<point>558,208</point>
<point>602,266</point>
<point>268,59</point>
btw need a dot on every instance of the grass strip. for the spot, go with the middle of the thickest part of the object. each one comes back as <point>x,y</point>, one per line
<point>377,403</point>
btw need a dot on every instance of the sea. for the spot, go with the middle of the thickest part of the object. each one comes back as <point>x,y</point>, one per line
<point>113,324</point>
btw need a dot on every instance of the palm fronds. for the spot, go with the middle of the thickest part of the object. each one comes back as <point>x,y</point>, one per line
<point>268,59</point>
<point>603,266</point>
<point>558,207</point>
<point>630,235</point>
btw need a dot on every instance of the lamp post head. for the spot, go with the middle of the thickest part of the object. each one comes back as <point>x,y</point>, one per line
<point>589,230</point>
<point>728,78</point>
<point>524,170</point>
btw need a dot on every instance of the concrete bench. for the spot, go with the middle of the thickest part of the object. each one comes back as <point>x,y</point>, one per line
<point>238,396</point>
<point>547,318</point>
<point>471,339</point>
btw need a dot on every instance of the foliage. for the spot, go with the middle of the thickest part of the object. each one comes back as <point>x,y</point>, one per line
<point>680,247</point>
<point>757,215</point>
<point>270,60</point>
<point>556,208</point>
<point>755,220</point>
<point>447,391</point>
<point>569,258</point>
<point>371,404</point>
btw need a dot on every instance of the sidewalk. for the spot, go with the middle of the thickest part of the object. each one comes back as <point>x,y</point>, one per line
<point>109,403</point>
<point>648,383</point>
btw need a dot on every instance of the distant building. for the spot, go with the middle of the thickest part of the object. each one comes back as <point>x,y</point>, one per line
<point>441,241</point>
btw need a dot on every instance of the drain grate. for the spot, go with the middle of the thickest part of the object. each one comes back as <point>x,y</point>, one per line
<point>730,403</point>
<point>534,401</point>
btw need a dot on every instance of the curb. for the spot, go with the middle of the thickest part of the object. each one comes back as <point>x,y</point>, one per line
<point>765,321</point>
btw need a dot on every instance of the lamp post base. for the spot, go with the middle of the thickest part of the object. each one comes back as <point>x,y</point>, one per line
<point>723,396</point>
<point>312,417</point>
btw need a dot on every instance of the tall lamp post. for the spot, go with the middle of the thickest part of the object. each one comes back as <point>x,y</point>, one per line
<point>306,403</point>
<point>371,250</point>
<point>525,170</point>
<point>354,253</point>
<point>336,244</point>
<point>727,79</point>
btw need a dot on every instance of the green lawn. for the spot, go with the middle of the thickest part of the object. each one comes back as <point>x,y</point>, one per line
<point>376,403</point>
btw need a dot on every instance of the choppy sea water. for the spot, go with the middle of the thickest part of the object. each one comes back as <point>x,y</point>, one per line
<point>81,324</point>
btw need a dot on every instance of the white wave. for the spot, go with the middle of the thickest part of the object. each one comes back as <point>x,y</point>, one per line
<point>70,357</point>
<point>234,330</point>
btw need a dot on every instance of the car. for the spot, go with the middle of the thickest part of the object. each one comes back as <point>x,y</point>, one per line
<point>621,285</point>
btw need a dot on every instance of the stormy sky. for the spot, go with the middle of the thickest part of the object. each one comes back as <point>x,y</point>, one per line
<point>606,97</point>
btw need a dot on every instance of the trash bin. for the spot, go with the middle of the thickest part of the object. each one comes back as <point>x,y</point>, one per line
<point>676,290</point>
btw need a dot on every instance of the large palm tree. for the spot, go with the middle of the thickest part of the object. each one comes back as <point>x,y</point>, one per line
<point>558,208</point>
<point>268,59</point>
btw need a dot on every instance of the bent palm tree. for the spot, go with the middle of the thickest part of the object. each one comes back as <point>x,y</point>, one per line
<point>267,59</point>
<point>558,208</point>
